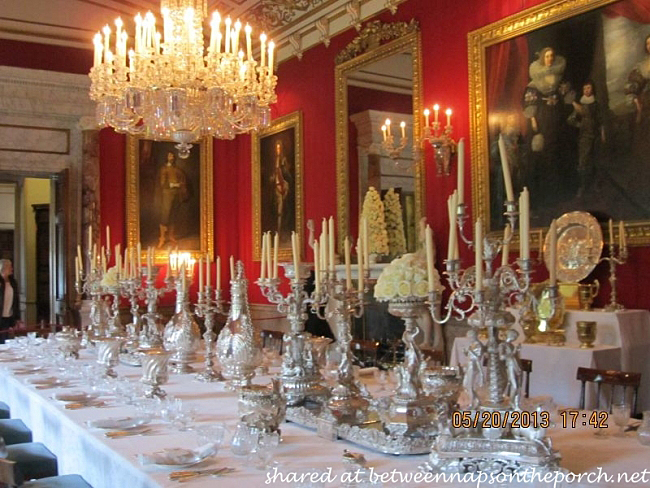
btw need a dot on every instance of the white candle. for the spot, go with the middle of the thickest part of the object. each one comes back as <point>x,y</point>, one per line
<point>93,263</point>
<point>448,114</point>
<point>505,167</point>
<point>76,269</point>
<point>263,263</point>
<point>611,233</point>
<point>348,269</point>
<point>218,272</point>
<point>90,237</point>
<point>107,37</point>
<point>478,255</point>
<point>237,29</point>
<point>262,49</point>
<point>276,246</point>
<point>460,183</point>
<point>383,132</point>
<point>505,250</point>
<point>323,244</point>
<point>331,243</point>
<point>139,258</point>
<point>97,60</point>
<point>81,261</point>
<point>208,270</point>
<point>524,224</point>
<point>232,267</point>
<point>249,50</point>
<point>118,260</point>
<point>429,245</point>
<point>127,264</point>
<point>366,254</point>
<point>269,253</point>
<point>227,45</point>
<point>451,211</point>
<point>553,253</point>
<point>388,130</point>
<point>271,47</point>
<point>316,267</point>
<point>200,273</point>
<point>436,109</point>
<point>294,253</point>
<point>403,127</point>
<point>621,235</point>
<point>426,117</point>
<point>149,263</point>
<point>361,263</point>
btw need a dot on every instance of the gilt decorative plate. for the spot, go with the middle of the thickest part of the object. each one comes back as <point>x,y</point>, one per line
<point>579,244</point>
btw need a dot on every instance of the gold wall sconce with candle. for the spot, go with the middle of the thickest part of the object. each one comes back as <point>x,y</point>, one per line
<point>444,146</point>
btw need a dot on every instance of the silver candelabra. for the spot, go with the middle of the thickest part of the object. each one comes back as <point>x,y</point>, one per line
<point>207,307</point>
<point>300,375</point>
<point>615,258</point>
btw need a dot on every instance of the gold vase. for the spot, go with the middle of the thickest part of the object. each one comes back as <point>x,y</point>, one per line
<point>586,333</point>
<point>586,294</point>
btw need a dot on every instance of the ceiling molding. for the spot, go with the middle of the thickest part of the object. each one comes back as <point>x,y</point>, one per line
<point>73,23</point>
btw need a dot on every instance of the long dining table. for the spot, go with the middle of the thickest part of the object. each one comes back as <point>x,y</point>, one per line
<point>114,463</point>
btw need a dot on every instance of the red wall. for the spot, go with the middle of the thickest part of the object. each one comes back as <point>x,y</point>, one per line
<point>308,85</point>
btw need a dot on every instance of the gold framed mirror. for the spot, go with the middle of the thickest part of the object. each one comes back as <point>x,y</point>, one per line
<point>385,57</point>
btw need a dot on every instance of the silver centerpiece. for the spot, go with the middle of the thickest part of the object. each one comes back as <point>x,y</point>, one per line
<point>348,401</point>
<point>262,407</point>
<point>133,290</point>
<point>300,375</point>
<point>208,307</point>
<point>411,411</point>
<point>182,335</point>
<point>154,371</point>
<point>239,345</point>
<point>108,351</point>
<point>493,375</point>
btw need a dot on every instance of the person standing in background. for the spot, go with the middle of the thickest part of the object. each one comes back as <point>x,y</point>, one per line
<point>8,299</point>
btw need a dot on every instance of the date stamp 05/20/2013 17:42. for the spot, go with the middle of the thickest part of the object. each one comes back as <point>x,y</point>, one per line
<point>485,419</point>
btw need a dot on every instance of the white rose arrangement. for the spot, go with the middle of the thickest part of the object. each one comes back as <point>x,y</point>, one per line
<point>373,212</point>
<point>405,277</point>
<point>109,280</point>
<point>394,223</point>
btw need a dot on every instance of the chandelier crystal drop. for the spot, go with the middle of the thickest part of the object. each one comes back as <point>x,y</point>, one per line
<point>167,86</point>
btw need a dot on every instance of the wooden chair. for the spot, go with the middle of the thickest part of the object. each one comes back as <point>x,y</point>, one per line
<point>612,378</point>
<point>365,350</point>
<point>526,368</point>
<point>273,339</point>
<point>434,357</point>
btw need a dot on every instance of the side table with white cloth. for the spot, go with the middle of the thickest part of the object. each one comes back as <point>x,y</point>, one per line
<point>627,329</point>
<point>555,367</point>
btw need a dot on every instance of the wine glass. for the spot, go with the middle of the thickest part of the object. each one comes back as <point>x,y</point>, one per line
<point>621,416</point>
<point>262,455</point>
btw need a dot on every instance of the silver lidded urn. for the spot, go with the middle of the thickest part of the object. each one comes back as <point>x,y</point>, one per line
<point>239,345</point>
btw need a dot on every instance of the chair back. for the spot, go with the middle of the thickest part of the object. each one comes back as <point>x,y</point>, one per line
<point>434,357</point>
<point>609,377</point>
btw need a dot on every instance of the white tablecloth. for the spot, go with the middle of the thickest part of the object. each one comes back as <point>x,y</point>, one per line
<point>554,368</point>
<point>109,463</point>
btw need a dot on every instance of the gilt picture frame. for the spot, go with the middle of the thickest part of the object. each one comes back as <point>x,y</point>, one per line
<point>277,170</point>
<point>574,147</point>
<point>169,200</point>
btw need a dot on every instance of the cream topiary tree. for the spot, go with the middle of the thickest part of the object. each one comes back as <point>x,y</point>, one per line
<point>394,223</point>
<point>373,212</point>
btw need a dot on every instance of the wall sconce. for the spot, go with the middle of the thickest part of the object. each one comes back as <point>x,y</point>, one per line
<point>388,144</point>
<point>444,147</point>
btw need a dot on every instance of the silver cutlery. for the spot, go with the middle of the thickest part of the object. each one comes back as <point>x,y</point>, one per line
<point>183,476</point>
<point>116,434</point>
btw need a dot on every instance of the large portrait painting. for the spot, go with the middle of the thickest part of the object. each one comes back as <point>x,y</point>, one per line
<point>567,86</point>
<point>277,182</point>
<point>169,198</point>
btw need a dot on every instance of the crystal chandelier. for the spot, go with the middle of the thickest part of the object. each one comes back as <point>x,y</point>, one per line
<point>168,87</point>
